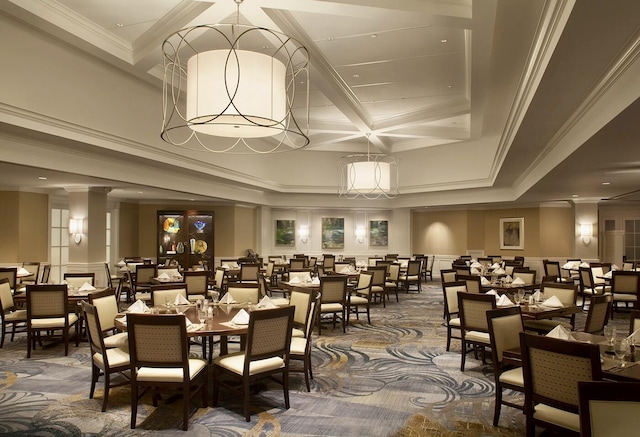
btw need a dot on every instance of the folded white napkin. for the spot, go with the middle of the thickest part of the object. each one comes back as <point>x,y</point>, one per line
<point>635,335</point>
<point>138,307</point>
<point>163,275</point>
<point>180,300</point>
<point>22,271</point>
<point>609,274</point>
<point>568,265</point>
<point>235,266</point>
<point>499,271</point>
<point>484,281</point>
<point>345,270</point>
<point>475,271</point>
<point>614,267</point>
<point>315,281</point>
<point>87,287</point>
<point>504,301</point>
<point>121,263</point>
<point>193,327</point>
<point>508,279</point>
<point>266,302</point>
<point>361,263</point>
<point>496,266</point>
<point>124,268</point>
<point>176,278</point>
<point>517,281</point>
<point>226,266</point>
<point>493,293</point>
<point>561,333</point>
<point>537,295</point>
<point>227,298</point>
<point>242,318</point>
<point>294,280</point>
<point>553,302</point>
<point>584,264</point>
<point>476,265</point>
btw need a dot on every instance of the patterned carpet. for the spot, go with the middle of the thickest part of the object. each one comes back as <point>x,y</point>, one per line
<point>392,377</point>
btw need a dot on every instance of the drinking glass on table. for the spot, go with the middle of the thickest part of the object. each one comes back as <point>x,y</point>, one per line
<point>621,347</point>
<point>202,316</point>
<point>609,334</point>
<point>520,295</point>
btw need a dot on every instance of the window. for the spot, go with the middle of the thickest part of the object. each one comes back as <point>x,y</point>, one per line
<point>108,239</point>
<point>632,239</point>
<point>59,244</point>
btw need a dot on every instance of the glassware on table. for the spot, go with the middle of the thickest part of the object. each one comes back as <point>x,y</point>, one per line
<point>167,301</point>
<point>609,334</point>
<point>520,295</point>
<point>215,296</point>
<point>621,347</point>
<point>202,316</point>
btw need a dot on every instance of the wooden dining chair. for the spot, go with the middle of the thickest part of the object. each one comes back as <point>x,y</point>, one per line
<point>107,308</point>
<point>267,353</point>
<point>359,298</point>
<point>411,277</point>
<point>473,282</point>
<point>32,267</point>
<point>160,362</point>
<point>448,275</point>
<point>142,280</point>
<point>105,361</point>
<point>568,295</point>
<point>77,280</point>
<point>625,287</point>
<point>552,369</point>
<point>451,311</point>
<point>598,315</point>
<point>300,349</point>
<point>249,273</point>
<point>301,301</point>
<point>609,409</point>
<point>10,315</point>
<point>197,285</point>
<point>11,275</point>
<point>333,300</point>
<point>505,326</point>
<point>391,283</point>
<point>47,311</point>
<point>377,284</point>
<point>244,293</point>
<point>166,293</point>
<point>634,321</point>
<point>473,309</point>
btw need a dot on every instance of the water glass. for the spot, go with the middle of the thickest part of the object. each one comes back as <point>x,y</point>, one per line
<point>621,347</point>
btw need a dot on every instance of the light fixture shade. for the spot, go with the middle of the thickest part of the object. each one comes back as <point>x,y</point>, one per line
<point>368,176</point>
<point>586,230</point>
<point>75,226</point>
<point>235,88</point>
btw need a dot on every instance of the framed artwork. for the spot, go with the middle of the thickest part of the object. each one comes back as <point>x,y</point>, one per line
<point>333,233</point>
<point>378,233</point>
<point>285,232</point>
<point>512,233</point>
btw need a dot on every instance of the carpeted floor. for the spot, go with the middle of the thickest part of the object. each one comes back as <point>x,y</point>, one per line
<point>392,377</point>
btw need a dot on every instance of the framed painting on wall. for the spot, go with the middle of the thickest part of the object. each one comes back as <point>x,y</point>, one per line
<point>512,233</point>
<point>285,232</point>
<point>333,233</point>
<point>378,233</point>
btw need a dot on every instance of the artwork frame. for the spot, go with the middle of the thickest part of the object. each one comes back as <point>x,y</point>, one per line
<point>378,233</point>
<point>285,233</point>
<point>333,233</point>
<point>512,233</point>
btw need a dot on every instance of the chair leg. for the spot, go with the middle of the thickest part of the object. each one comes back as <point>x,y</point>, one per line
<point>496,411</point>
<point>247,413</point>
<point>285,387</point>
<point>107,384</point>
<point>3,333</point>
<point>134,404</point>
<point>95,373</point>
<point>464,355</point>
<point>186,398</point>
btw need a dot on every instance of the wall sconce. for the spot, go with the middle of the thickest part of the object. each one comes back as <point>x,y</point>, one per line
<point>586,232</point>
<point>360,234</point>
<point>76,227</point>
<point>303,231</point>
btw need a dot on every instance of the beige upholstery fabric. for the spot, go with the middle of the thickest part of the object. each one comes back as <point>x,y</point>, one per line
<point>160,296</point>
<point>170,374</point>
<point>613,418</point>
<point>513,377</point>
<point>561,374</point>
<point>235,363</point>
<point>558,417</point>
<point>243,295</point>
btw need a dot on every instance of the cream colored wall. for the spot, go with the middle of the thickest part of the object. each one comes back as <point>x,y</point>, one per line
<point>33,227</point>
<point>9,207</point>
<point>556,230</point>
<point>442,232</point>
<point>127,230</point>
<point>245,230</point>
<point>531,231</point>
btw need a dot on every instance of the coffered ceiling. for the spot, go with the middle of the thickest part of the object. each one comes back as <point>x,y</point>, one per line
<point>485,101</point>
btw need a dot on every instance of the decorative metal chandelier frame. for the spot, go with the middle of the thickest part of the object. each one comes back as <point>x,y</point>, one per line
<point>220,97</point>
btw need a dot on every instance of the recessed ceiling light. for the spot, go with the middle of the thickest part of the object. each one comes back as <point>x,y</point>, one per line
<point>356,76</point>
<point>444,41</point>
<point>330,38</point>
<point>449,86</point>
<point>575,195</point>
<point>374,35</point>
<point>42,178</point>
<point>606,183</point>
<point>140,192</point>
<point>119,25</point>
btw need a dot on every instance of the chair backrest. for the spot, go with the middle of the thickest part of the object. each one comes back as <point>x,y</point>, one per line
<point>302,274</point>
<point>340,267</point>
<point>220,279</point>
<point>145,273</point>
<point>244,294</point>
<point>106,305</point>
<point>384,263</point>
<point>551,268</point>
<point>391,256</point>
<point>598,315</point>
<point>296,263</point>
<point>448,275</point>
<point>379,275</point>
<point>608,409</point>
<point>6,297</point>
<point>249,272</point>
<point>552,369</point>
<point>628,265</point>
<point>508,269</point>
<point>413,268</point>
<point>625,282</point>
<point>269,270</point>
<point>333,289</point>
<point>450,291</point>
<point>171,271</point>
<point>94,329</point>
<point>46,272</point>
<point>269,335</point>
<point>197,282</point>
<point>47,301</point>
<point>485,261</point>
<point>473,310</point>
<point>634,321</point>
<point>166,293</point>
<point>312,262</point>
<point>474,282</point>
<point>393,272</point>
<point>10,274</point>
<point>505,326</point>
<point>586,278</point>
<point>158,340</point>
<point>372,261</point>
<point>597,273</point>
<point>33,268</point>
<point>328,262</point>
<point>529,276</point>
<point>301,301</point>
<point>567,293</point>
<point>462,270</point>
<point>77,280</point>
<point>363,286</point>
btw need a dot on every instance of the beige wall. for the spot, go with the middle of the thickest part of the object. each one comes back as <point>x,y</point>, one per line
<point>25,235</point>
<point>128,230</point>
<point>245,230</point>
<point>548,232</point>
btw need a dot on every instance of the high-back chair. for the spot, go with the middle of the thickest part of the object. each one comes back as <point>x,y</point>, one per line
<point>221,280</point>
<point>568,295</point>
<point>391,283</point>
<point>448,275</point>
<point>300,349</point>
<point>608,409</point>
<point>474,282</point>
<point>625,287</point>
<point>451,311</point>
<point>552,268</point>
<point>377,284</point>
<point>552,369</point>
<point>359,297</point>
<point>104,361</point>
<point>328,263</point>
<point>528,276</point>
<point>411,276</point>
<point>46,272</point>
<point>244,293</point>
<point>473,322</point>
<point>11,275</point>
<point>47,311</point>
<point>163,294</point>
<point>32,267</point>
<point>106,305</point>
<point>296,263</point>
<point>10,315</point>
<point>77,280</point>
<point>634,321</point>
<point>160,363</point>
<point>587,284</point>
<point>505,326</point>
<point>598,315</point>
<point>266,354</point>
<point>333,299</point>
<point>301,301</point>
<point>342,267</point>
<point>197,284</point>
<point>249,272</point>
<point>142,281</point>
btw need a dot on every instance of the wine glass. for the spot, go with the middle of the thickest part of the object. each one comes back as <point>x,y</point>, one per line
<point>202,316</point>
<point>520,295</point>
<point>610,334</point>
<point>620,347</point>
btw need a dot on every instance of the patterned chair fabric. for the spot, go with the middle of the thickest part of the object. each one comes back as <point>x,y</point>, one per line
<point>10,315</point>
<point>333,299</point>
<point>473,322</point>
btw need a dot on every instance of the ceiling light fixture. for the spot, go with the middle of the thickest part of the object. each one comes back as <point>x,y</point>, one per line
<point>370,176</point>
<point>224,92</point>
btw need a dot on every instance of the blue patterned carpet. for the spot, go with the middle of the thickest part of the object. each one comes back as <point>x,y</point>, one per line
<point>392,377</point>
